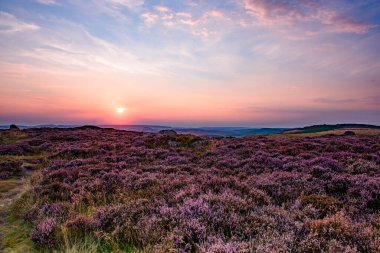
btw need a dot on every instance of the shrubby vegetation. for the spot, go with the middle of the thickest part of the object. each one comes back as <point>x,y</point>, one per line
<point>128,191</point>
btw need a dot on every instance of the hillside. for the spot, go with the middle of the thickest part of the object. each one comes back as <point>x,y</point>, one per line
<point>106,190</point>
<point>329,128</point>
<point>201,131</point>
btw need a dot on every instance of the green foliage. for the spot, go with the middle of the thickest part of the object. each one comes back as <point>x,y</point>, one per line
<point>15,231</point>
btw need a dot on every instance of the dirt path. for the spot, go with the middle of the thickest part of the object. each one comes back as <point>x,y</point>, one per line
<point>9,191</point>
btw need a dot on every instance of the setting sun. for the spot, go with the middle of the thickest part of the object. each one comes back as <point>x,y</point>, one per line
<point>120,110</point>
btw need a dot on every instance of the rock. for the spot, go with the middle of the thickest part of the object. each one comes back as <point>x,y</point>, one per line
<point>349,133</point>
<point>168,132</point>
<point>14,127</point>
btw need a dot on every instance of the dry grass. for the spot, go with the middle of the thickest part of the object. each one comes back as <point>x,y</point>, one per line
<point>14,231</point>
<point>12,136</point>
<point>357,131</point>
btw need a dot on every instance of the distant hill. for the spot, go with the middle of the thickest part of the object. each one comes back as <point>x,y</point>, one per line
<point>202,131</point>
<point>227,131</point>
<point>325,128</point>
<point>40,126</point>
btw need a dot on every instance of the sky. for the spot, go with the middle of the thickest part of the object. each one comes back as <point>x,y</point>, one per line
<point>258,63</point>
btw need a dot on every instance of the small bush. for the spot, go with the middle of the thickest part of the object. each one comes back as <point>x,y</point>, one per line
<point>45,233</point>
<point>10,168</point>
<point>324,204</point>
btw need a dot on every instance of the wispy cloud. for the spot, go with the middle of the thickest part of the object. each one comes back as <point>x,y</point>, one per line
<point>149,18</point>
<point>131,4</point>
<point>47,2</point>
<point>296,12</point>
<point>162,8</point>
<point>334,101</point>
<point>205,25</point>
<point>10,24</point>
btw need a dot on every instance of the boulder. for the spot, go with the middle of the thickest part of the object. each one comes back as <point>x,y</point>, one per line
<point>349,133</point>
<point>14,127</point>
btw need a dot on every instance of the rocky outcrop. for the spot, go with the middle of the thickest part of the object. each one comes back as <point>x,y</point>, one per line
<point>14,127</point>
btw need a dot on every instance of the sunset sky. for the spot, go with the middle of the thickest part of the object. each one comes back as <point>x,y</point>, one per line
<point>190,63</point>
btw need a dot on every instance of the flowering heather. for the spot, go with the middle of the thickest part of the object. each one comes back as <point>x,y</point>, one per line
<point>9,168</point>
<point>161,192</point>
<point>44,233</point>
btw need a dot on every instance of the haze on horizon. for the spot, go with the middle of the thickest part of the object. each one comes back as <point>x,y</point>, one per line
<point>190,63</point>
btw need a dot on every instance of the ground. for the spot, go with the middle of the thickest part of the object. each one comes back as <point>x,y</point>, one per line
<point>104,190</point>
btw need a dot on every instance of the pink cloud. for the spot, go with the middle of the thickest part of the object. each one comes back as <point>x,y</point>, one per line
<point>179,18</point>
<point>273,12</point>
<point>203,33</point>
<point>342,24</point>
<point>214,14</point>
<point>149,18</point>
<point>183,14</point>
<point>293,12</point>
<point>161,8</point>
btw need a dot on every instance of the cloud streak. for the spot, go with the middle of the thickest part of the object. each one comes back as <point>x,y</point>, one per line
<point>131,4</point>
<point>10,24</point>
<point>296,12</point>
<point>334,101</point>
<point>47,2</point>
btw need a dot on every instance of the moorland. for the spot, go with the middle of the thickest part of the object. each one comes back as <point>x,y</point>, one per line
<point>105,190</point>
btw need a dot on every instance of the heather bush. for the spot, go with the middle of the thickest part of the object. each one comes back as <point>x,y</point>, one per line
<point>284,186</point>
<point>9,168</point>
<point>339,228</point>
<point>45,233</point>
<point>17,149</point>
<point>81,224</point>
<point>57,210</point>
<point>324,204</point>
<point>361,166</point>
<point>184,193</point>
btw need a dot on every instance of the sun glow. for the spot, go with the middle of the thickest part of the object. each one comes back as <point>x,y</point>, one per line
<point>120,110</point>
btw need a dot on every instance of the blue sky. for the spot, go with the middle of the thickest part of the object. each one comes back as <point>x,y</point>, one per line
<point>233,62</point>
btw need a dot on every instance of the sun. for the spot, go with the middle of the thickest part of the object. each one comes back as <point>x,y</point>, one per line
<point>120,110</point>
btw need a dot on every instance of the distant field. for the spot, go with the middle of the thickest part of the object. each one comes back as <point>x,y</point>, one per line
<point>358,131</point>
<point>105,190</point>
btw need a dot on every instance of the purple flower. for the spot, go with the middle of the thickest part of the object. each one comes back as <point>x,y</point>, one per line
<point>44,233</point>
